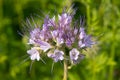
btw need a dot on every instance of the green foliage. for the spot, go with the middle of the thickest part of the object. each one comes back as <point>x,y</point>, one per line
<point>102,20</point>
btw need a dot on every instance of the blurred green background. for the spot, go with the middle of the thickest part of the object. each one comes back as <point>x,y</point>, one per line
<point>102,21</point>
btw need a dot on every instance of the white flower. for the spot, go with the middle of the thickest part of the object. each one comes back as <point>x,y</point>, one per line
<point>34,54</point>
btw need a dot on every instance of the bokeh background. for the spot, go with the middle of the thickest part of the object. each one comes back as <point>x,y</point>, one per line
<point>102,21</point>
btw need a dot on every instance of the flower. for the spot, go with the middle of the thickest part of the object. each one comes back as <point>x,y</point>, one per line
<point>48,23</point>
<point>64,20</point>
<point>74,53</point>
<point>86,42</point>
<point>82,33</point>
<point>44,45</point>
<point>80,57</point>
<point>75,56</point>
<point>56,36</point>
<point>34,54</point>
<point>34,36</point>
<point>57,55</point>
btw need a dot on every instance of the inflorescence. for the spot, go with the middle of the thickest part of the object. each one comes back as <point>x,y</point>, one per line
<point>59,38</point>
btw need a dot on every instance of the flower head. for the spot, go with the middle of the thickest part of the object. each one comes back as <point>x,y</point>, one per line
<point>58,34</point>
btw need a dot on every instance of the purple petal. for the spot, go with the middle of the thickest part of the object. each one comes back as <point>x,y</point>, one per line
<point>44,45</point>
<point>82,33</point>
<point>81,44</point>
<point>88,42</point>
<point>54,33</point>
<point>59,41</point>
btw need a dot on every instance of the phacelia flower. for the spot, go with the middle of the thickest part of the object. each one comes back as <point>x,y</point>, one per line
<point>75,56</point>
<point>86,42</point>
<point>80,57</point>
<point>82,33</point>
<point>57,55</point>
<point>74,53</point>
<point>34,54</point>
<point>60,39</point>
<point>34,36</point>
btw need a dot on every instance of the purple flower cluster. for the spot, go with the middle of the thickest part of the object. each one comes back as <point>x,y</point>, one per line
<point>56,35</point>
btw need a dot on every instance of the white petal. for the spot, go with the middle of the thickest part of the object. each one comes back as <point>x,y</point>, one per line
<point>31,41</point>
<point>34,54</point>
<point>33,57</point>
<point>61,58</point>
<point>38,57</point>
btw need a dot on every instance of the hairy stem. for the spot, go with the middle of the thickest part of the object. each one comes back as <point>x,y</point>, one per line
<point>65,69</point>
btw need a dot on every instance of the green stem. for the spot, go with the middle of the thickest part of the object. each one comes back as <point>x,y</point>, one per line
<point>65,70</point>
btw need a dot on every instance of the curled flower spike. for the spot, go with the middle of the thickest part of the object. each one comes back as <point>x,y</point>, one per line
<point>34,54</point>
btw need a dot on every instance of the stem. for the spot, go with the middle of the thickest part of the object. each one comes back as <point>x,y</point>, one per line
<point>65,70</point>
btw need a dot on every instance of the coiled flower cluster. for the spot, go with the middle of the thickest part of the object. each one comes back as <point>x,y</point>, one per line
<point>60,39</point>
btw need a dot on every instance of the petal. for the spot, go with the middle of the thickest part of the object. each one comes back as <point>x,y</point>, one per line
<point>51,55</point>
<point>81,44</point>
<point>59,41</point>
<point>54,33</point>
<point>59,17</point>
<point>34,54</point>
<point>31,41</point>
<point>32,57</point>
<point>44,45</point>
<point>61,58</point>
